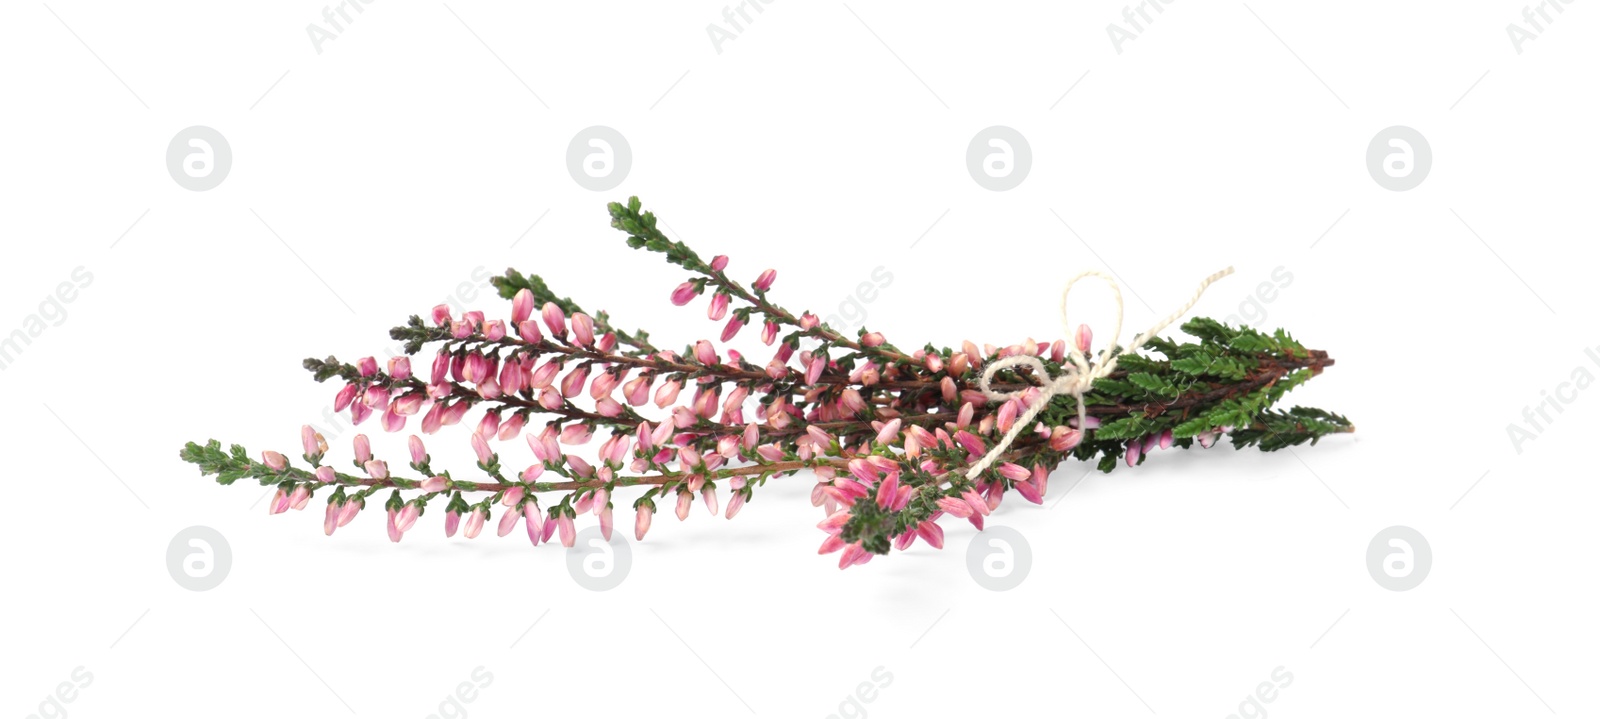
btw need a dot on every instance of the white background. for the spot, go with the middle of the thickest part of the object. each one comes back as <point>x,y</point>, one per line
<point>371,179</point>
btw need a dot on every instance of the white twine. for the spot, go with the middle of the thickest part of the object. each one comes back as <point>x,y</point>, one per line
<point>1075,378</point>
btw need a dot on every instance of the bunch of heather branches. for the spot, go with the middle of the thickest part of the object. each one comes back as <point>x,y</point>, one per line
<point>887,432</point>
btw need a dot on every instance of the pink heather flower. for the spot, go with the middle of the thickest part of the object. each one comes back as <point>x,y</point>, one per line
<point>508,521</point>
<point>480,446</point>
<point>853,554</point>
<point>279,503</point>
<point>607,342</point>
<point>441,314</point>
<point>350,509</point>
<point>555,319</point>
<point>682,294</point>
<point>394,530</point>
<point>1165,440</point>
<point>704,353</point>
<point>512,496</point>
<point>529,331</point>
<point>971,443</point>
<point>434,419</point>
<point>407,404</point>
<point>326,474</point>
<point>363,449</point>
<point>931,533</point>
<point>814,369</point>
<point>419,454</point>
<point>575,434</point>
<point>311,441</point>
<point>604,384</point>
<point>769,332</point>
<point>641,521</point>
<point>572,384</point>
<point>765,279</point>
<point>533,518</point>
<point>1064,439</point>
<point>521,306</point>
<point>460,330</point>
<point>569,534</point>
<point>1207,438</point>
<point>736,502</point>
<point>441,368</point>
<point>452,522</point>
<point>407,517</point>
<point>872,339</point>
<point>709,493</point>
<point>375,398</point>
<point>377,468</point>
<point>685,500</point>
<point>580,466</point>
<point>367,366</point>
<point>433,484</point>
<point>1013,471</point>
<point>474,523</point>
<point>1134,450</point>
<point>455,412</point>
<point>888,491</point>
<point>330,519</point>
<point>400,367</point>
<point>393,421</point>
<point>718,307</point>
<point>637,390</point>
<point>667,393</point>
<point>605,523</point>
<point>550,399</point>
<point>274,460</point>
<point>850,401</point>
<point>510,428</point>
<point>582,329</point>
<point>1084,338</point>
<point>732,328</point>
<point>1030,492</point>
<point>1007,416</point>
<point>809,321</point>
<point>299,497</point>
<point>345,396</point>
<point>719,263</point>
<point>889,432</point>
<point>473,319</point>
<point>979,504</point>
<point>494,330</point>
<point>545,375</point>
<point>645,436</point>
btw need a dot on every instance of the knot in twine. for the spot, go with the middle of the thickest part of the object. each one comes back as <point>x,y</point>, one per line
<point>1078,376</point>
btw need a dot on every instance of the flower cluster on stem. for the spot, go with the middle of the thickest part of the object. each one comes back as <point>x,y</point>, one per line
<point>886,433</point>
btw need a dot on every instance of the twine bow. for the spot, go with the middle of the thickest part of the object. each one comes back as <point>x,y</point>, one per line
<point>1077,377</point>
